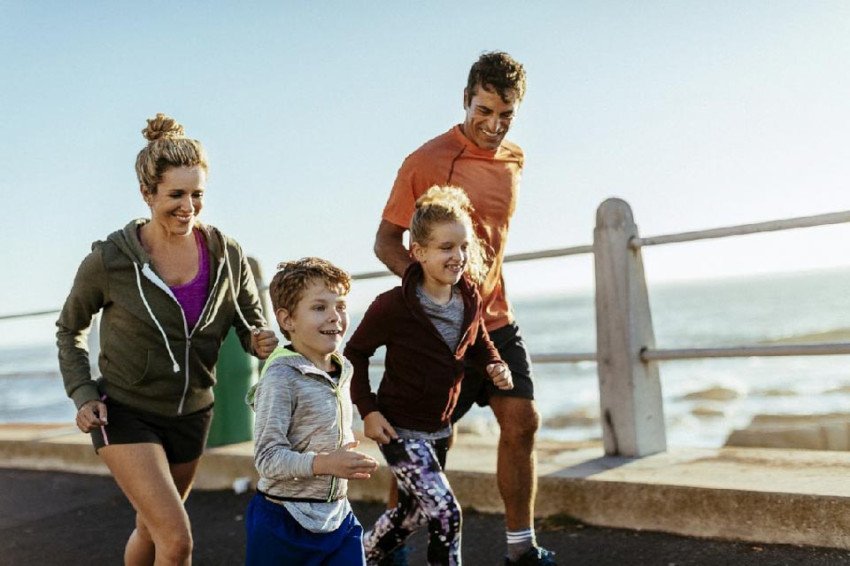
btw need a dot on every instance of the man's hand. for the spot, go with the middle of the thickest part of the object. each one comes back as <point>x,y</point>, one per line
<point>263,341</point>
<point>376,427</point>
<point>346,463</point>
<point>501,376</point>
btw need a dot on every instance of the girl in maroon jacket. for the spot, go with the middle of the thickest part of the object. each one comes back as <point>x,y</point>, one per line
<point>429,325</point>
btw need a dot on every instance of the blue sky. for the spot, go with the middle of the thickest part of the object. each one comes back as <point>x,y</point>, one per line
<point>699,114</point>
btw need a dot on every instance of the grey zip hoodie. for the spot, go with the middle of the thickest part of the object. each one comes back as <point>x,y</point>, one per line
<point>149,358</point>
<point>300,413</point>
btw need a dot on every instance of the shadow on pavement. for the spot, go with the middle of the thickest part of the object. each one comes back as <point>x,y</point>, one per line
<point>55,518</point>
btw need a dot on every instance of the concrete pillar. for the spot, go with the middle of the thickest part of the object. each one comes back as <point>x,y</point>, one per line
<point>632,411</point>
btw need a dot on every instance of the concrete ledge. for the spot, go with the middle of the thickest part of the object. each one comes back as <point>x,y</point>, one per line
<point>759,495</point>
<point>813,432</point>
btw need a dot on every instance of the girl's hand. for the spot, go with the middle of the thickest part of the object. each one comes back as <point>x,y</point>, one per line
<point>263,342</point>
<point>501,376</point>
<point>91,414</point>
<point>376,427</point>
<point>344,462</point>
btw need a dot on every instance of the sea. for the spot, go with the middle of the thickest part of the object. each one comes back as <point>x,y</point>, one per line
<point>704,400</point>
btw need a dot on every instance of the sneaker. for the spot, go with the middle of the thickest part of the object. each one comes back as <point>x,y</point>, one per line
<point>397,557</point>
<point>534,556</point>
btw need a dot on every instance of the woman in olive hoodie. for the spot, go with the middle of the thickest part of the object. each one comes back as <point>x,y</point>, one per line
<point>169,289</point>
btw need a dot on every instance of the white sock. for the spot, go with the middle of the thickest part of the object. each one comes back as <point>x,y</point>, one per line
<point>519,542</point>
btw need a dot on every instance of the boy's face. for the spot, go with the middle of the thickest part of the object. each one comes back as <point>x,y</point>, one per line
<point>318,323</point>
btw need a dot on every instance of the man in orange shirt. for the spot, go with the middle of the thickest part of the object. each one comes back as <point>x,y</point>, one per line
<point>475,156</point>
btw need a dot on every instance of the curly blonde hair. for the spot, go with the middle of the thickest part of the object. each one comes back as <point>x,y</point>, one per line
<point>449,204</point>
<point>167,147</point>
<point>293,277</point>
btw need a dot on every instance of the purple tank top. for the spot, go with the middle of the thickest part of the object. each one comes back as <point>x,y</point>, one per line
<point>192,296</point>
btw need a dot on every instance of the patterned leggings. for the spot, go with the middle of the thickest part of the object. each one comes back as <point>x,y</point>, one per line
<point>424,497</point>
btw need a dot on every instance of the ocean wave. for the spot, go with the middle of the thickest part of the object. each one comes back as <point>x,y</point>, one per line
<point>32,374</point>
<point>716,393</point>
<point>825,337</point>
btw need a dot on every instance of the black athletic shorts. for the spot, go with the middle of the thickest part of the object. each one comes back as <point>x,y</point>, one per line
<point>476,387</point>
<point>182,437</point>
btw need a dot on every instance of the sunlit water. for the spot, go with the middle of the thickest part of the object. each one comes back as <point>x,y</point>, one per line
<point>703,399</point>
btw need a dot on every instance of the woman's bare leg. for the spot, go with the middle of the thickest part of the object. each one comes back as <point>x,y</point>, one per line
<point>157,491</point>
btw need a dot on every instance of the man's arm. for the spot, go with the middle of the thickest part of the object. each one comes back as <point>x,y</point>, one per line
<point>389,247</point>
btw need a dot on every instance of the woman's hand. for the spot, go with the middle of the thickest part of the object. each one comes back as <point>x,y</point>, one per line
<point>378,428</point>
<point>91,414</point>
<point>263,341</point>
<point>501,376</point>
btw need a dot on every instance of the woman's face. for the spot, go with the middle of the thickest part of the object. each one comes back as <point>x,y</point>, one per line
<point>178,199</point>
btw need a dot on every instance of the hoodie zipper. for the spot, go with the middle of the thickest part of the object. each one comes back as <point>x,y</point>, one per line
<point>336,391</point>
<point>315,373</point>
<point>335,387</point>
<point>192,333</point>
<point>153,277</point>
<point>419,312</point>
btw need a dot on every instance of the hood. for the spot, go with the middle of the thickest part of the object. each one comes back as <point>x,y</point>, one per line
<point>285,356</point>
<point>414,274</point>
<point>127,241</point>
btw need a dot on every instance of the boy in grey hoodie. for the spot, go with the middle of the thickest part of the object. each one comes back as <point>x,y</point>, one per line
<point>303,442</point>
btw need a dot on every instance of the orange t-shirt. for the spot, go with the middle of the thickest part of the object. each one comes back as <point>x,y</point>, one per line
<point>489,177</point>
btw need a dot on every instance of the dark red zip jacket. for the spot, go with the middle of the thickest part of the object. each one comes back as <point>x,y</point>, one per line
<point>422,375</point>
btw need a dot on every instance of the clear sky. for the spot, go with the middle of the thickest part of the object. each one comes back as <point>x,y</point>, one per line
<point>699,114</point>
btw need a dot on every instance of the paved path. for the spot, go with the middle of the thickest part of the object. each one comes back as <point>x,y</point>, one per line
<point>49,518</point>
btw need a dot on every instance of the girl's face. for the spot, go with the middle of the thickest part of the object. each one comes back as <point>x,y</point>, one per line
<point>178,199</point>
<point>444,256</point>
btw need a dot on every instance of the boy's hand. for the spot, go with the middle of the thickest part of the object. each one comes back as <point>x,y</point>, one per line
<point>344,462</point>
<point>376,427</point>
<point>263,341</point>
<point>501,376</point>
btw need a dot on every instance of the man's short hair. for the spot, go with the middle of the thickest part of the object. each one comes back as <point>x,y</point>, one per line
<point>498,71</point>
<point>293,277</point>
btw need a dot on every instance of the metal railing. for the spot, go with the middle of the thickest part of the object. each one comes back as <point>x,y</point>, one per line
<point>824,349</point>
<point>28,314</point>
<point>632,411</point>
<point>637,243</point>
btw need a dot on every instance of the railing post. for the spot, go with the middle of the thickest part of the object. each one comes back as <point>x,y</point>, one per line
<point>630,389</point>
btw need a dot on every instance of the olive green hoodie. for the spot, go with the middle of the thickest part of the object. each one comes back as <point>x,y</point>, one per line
<point>149,358</point>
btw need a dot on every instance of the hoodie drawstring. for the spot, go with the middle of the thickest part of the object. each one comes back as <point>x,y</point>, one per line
<point>176,366</point>
<point>233,290</point>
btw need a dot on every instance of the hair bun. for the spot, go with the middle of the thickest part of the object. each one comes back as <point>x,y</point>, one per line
<point>162,127</point>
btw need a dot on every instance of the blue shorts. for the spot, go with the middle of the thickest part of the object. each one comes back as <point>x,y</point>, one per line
<point>275,537</point>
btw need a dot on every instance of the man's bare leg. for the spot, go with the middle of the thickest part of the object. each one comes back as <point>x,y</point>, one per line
<point>516,472</point>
